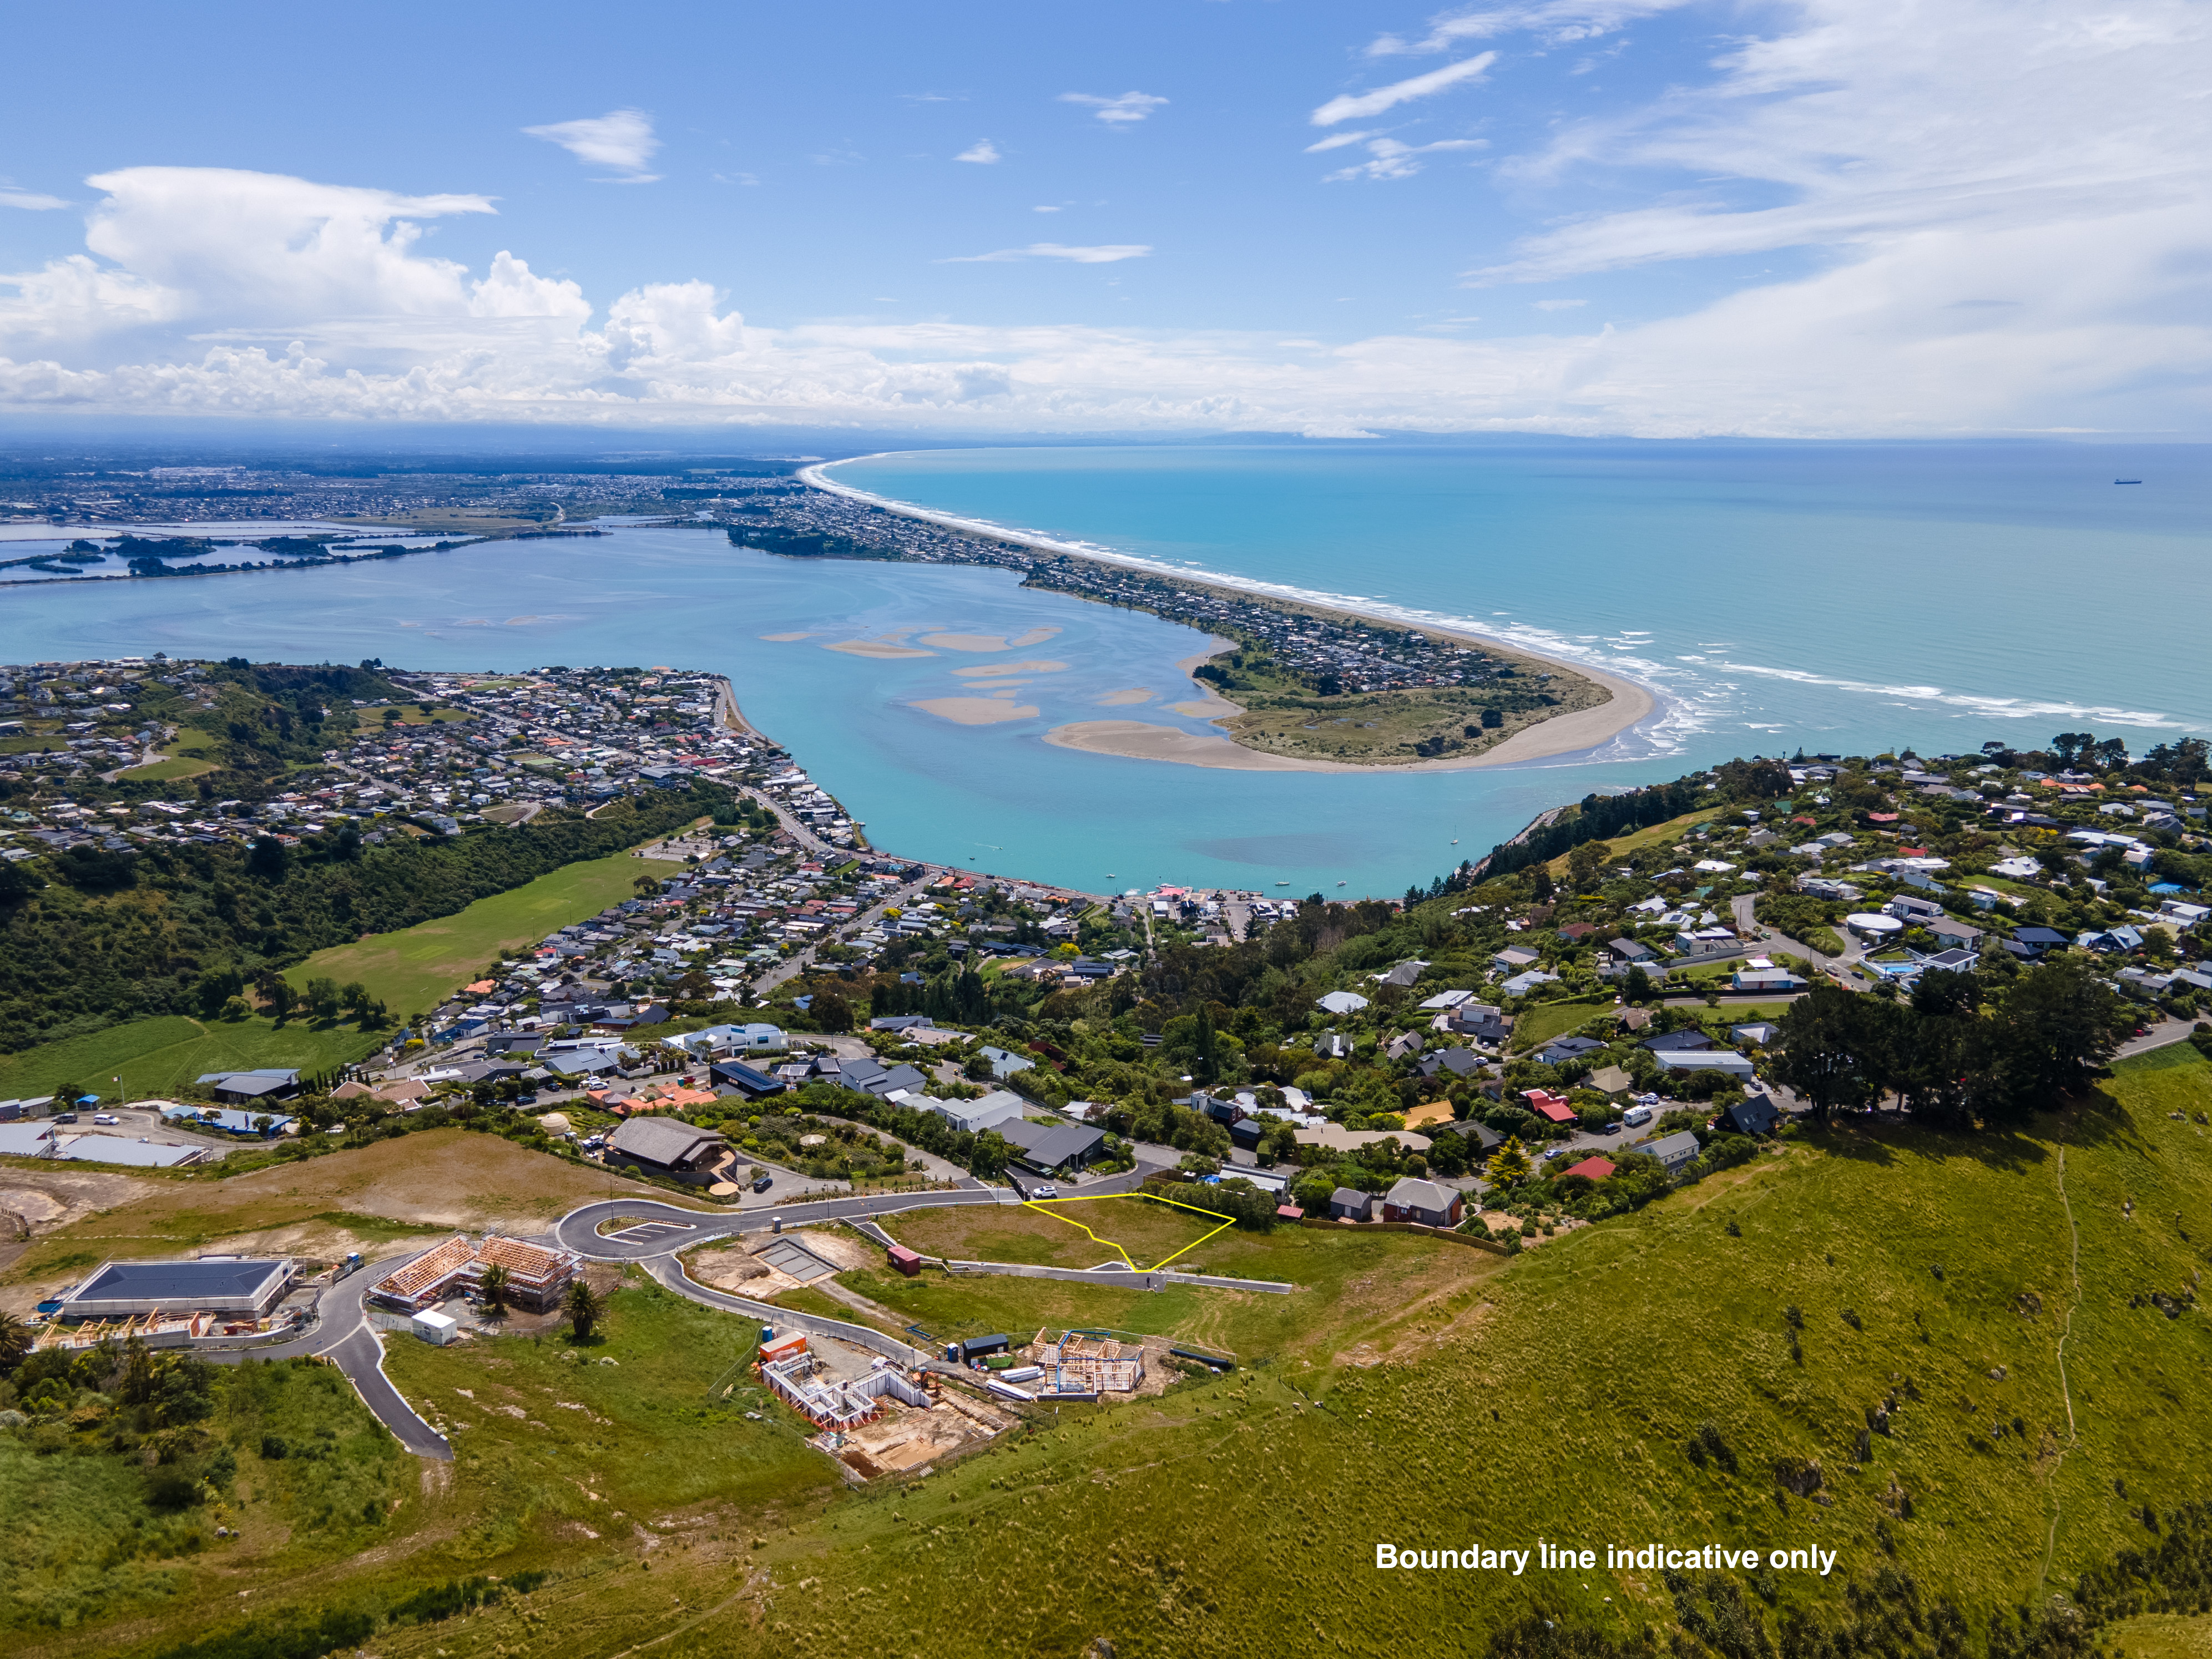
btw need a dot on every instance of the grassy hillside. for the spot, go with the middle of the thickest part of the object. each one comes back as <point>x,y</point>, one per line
<point>419,967</point>
<point>156,1056</point>
<point>1628,1383</point>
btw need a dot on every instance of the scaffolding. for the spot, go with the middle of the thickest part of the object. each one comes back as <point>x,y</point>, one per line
<point>1089,1362</point>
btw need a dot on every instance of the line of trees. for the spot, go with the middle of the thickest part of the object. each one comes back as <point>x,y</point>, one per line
<point>1599,817</point>
<point>1959,1052</point>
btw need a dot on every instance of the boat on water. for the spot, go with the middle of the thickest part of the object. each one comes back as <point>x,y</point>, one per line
<point>2121,481</point>
<point>1340,884</point>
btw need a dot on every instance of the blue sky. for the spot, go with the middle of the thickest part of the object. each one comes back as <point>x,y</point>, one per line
<point>1628,215</point>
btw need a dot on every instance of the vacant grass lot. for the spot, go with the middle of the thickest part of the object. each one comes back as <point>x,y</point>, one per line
<point>416,968</point>
<point>154,1056</point>
<point>365,1199</point>
<point>1354,1289</point>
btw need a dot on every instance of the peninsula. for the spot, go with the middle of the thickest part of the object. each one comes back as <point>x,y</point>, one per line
<point>1305,686</point>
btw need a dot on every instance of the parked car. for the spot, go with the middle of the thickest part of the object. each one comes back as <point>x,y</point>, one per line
<point>1046,1191</point>
<point>105,1117</point>
<point>65,1118</point>
<point>1636,1116</point>
<point>764,1183</point>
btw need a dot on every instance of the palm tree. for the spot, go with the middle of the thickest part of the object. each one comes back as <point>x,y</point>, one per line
<point>493,1285</point>
<point>584,1309</point>
<point>14,1341</point>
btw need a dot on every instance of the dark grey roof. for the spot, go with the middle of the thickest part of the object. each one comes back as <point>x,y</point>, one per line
<point>1568,1047</point>
<point>664,1141</point>
<point>177,1281</point>
<point>1058,1143</point>
<point>1678,1041</point>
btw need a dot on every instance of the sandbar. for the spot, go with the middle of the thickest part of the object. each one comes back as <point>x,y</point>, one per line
<point>1035,636</point>
<point>975,711</point>
<point>876,648</point>
<point>966,641</point>
<point>1135,694</point>
<point>780,639</point>
<point>1563,734</point>
<point>1206,708</point>
<point>994,670</point>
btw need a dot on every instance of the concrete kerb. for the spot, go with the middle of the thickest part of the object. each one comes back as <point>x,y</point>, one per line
<point>668,1271</point>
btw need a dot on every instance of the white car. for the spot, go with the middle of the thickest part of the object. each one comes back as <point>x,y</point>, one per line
<point>105,1117</point>
<point>1047,1191</point>
<point>1636,1116</point>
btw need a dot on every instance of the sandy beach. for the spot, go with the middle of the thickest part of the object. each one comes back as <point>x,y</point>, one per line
<point>1627,704</point>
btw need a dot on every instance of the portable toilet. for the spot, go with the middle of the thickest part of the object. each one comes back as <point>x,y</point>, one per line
<point>436,1328</point>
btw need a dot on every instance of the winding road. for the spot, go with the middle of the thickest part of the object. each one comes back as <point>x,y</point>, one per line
<point>342,1335</point>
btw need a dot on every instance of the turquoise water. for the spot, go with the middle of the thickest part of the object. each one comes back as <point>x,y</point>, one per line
<point>1845,597</point>
<point>1838,597</point>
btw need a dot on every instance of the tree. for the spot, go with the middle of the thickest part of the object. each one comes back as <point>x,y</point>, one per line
<point>1821,1036</point>
<point>275,992</point>
<point>1585,862</point>
<point>584,1309</point>
<point>267,859</point>
<point>354,999</point>
<point>493,1285</point>
<point>322,998</point>
<point>1508,1165</point>
<point>989,1155</point>
<point>2056,1024</point>
<point>831,1012</point>
<point>1635,984</point>
<point>15,1343</point>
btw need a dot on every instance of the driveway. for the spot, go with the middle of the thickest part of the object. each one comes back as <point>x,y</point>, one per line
<point>343,1334</point>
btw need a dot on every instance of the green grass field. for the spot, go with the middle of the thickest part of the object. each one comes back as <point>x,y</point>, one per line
<point>154,1056</point>
<point>416,968</point>
<point>166,771</point>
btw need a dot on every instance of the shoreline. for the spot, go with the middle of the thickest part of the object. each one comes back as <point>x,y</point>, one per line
<point>1628,704</point>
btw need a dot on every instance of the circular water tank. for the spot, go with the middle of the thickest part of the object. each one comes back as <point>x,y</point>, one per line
<point>1869,924</point>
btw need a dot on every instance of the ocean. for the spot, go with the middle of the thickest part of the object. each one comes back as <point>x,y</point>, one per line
<point>1834,597</point>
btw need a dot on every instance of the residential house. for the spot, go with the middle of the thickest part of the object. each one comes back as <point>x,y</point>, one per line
<point>251,1088</point>
<point>1348,1204</point>
<point>1754,1114</point>
<point>1341,1003</point>
<point>1549,1107</point>
<point>1460,1062</point>
<point>1956,935</point>
<point>1680,1042</point>
<point>1406,1042</point>
<point>1768,978</point>
<point>1609,1079</point>
<point>1427,1202</point>
<point>1676,1151</point>
<point>974,1116</point>
<point>1562,1049</point>
<point>1590,1168</point>
<point>1514,958</point>
<point>667,1147</point>
<point>1523,983</point>
<point>1052,1149</point>
<point>1725,1060</point>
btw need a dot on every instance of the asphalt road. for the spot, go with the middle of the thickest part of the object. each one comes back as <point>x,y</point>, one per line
<point>343,1336</point>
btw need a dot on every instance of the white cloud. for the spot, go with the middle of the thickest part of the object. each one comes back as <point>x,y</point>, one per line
<point>1554,22</point>
<point>1045,209</point>
<point>1353,107</point>
<point>218,249</point>
<point>1106,254</point>
<point>2026,249</point>
<point>1560,305</point>
<point>621,139</point>
<point>982,152</point>
<point>1392,158</point>
<point>31,199</point>
<point>1339,140</point>
<point>1126,109</point>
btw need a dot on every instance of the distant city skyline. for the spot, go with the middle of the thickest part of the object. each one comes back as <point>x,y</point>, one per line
<point>1649,217</point>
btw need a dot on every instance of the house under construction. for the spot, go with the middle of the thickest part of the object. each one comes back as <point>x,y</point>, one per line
<point>537,1278</point>
<point>827,1400</point>
<point>1089,1362</point>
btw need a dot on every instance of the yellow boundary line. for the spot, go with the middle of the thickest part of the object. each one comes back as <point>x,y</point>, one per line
<point>1043,1204</point>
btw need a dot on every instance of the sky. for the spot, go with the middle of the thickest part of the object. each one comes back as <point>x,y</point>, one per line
<point>1810,218</point>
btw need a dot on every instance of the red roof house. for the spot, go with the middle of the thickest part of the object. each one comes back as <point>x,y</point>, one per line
<point>1597,1169</point>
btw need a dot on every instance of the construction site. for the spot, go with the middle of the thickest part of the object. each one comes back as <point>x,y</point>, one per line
<point>873,1417</point>
<point>534,1277</point>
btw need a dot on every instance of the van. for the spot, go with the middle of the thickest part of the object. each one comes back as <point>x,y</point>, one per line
<point>1636,1116</point>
